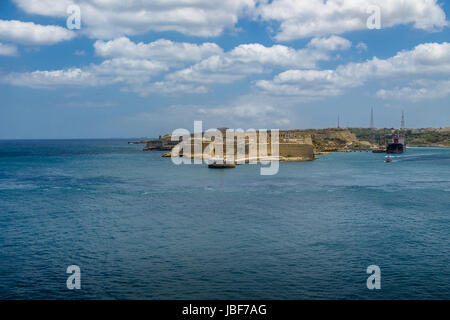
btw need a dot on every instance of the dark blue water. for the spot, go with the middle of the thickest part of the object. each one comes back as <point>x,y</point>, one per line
<point>140,227</point>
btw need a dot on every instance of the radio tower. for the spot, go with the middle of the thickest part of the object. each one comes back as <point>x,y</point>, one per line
<point>403,125</point>
<point>372,124</point>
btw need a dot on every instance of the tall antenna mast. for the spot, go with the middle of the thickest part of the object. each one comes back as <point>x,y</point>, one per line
<point>339,120</point>
<point>372,123</point>
<point>403,125</point>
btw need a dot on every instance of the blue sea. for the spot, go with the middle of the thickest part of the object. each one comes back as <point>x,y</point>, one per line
<point>140,227</point>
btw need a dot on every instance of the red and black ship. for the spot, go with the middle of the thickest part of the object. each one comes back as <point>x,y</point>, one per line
<point>398,144</point>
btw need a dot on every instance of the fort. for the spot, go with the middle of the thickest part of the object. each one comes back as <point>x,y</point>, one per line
<point>293,145</point>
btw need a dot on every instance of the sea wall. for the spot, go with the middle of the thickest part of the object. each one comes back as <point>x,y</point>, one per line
<point>296,152</point>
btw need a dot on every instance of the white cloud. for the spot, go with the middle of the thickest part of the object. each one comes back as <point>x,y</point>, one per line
<point>45,7</point>
<point>216,69</point>
<point>149,68</point>
<point>418,91</point>
<point>136,64</point>
<point>332,43</point>
<point>276,55</point>
<point>161,50</point>
<point>106,19</point>
<point>248,59</point>
<point>119,70</point>
<point>430,59</point>
<point>306,18</point>
<point>8,50</point>
<point>172,54</point>
<point>133,64</point>
<point>42,79</point>
<point>32,34</point>
<point>127,70</point>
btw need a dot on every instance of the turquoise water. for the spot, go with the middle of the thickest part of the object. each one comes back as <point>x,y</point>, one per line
<point>140,227</point>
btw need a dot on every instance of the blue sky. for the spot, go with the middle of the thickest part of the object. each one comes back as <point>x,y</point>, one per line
<point>143,70</point>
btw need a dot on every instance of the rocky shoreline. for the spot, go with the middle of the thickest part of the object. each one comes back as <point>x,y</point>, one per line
<point>294,145</point>
<point>306,145</point>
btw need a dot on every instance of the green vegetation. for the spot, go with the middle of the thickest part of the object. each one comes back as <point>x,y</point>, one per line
<point>428,137</point>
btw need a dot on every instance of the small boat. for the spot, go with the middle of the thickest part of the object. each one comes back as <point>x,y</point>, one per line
<point>221,165</point>
<point>388,159</point>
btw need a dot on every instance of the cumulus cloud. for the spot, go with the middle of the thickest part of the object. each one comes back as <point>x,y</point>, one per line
<point>137,64</point>
<point>306,18</point>
<point>108,19</point>
<point>276,55</point>
<point>248,59</point>
<point>119,70</point>
<point>45,7</point>
<point>8,50</point>
<point>216,69</point>
<point>332,43</point>
<point>33,34</point>
<point>430,59</point>
<point>161,50</point>
<point>149,68</point>
<point>129,63</point>
<point>133,64</point>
